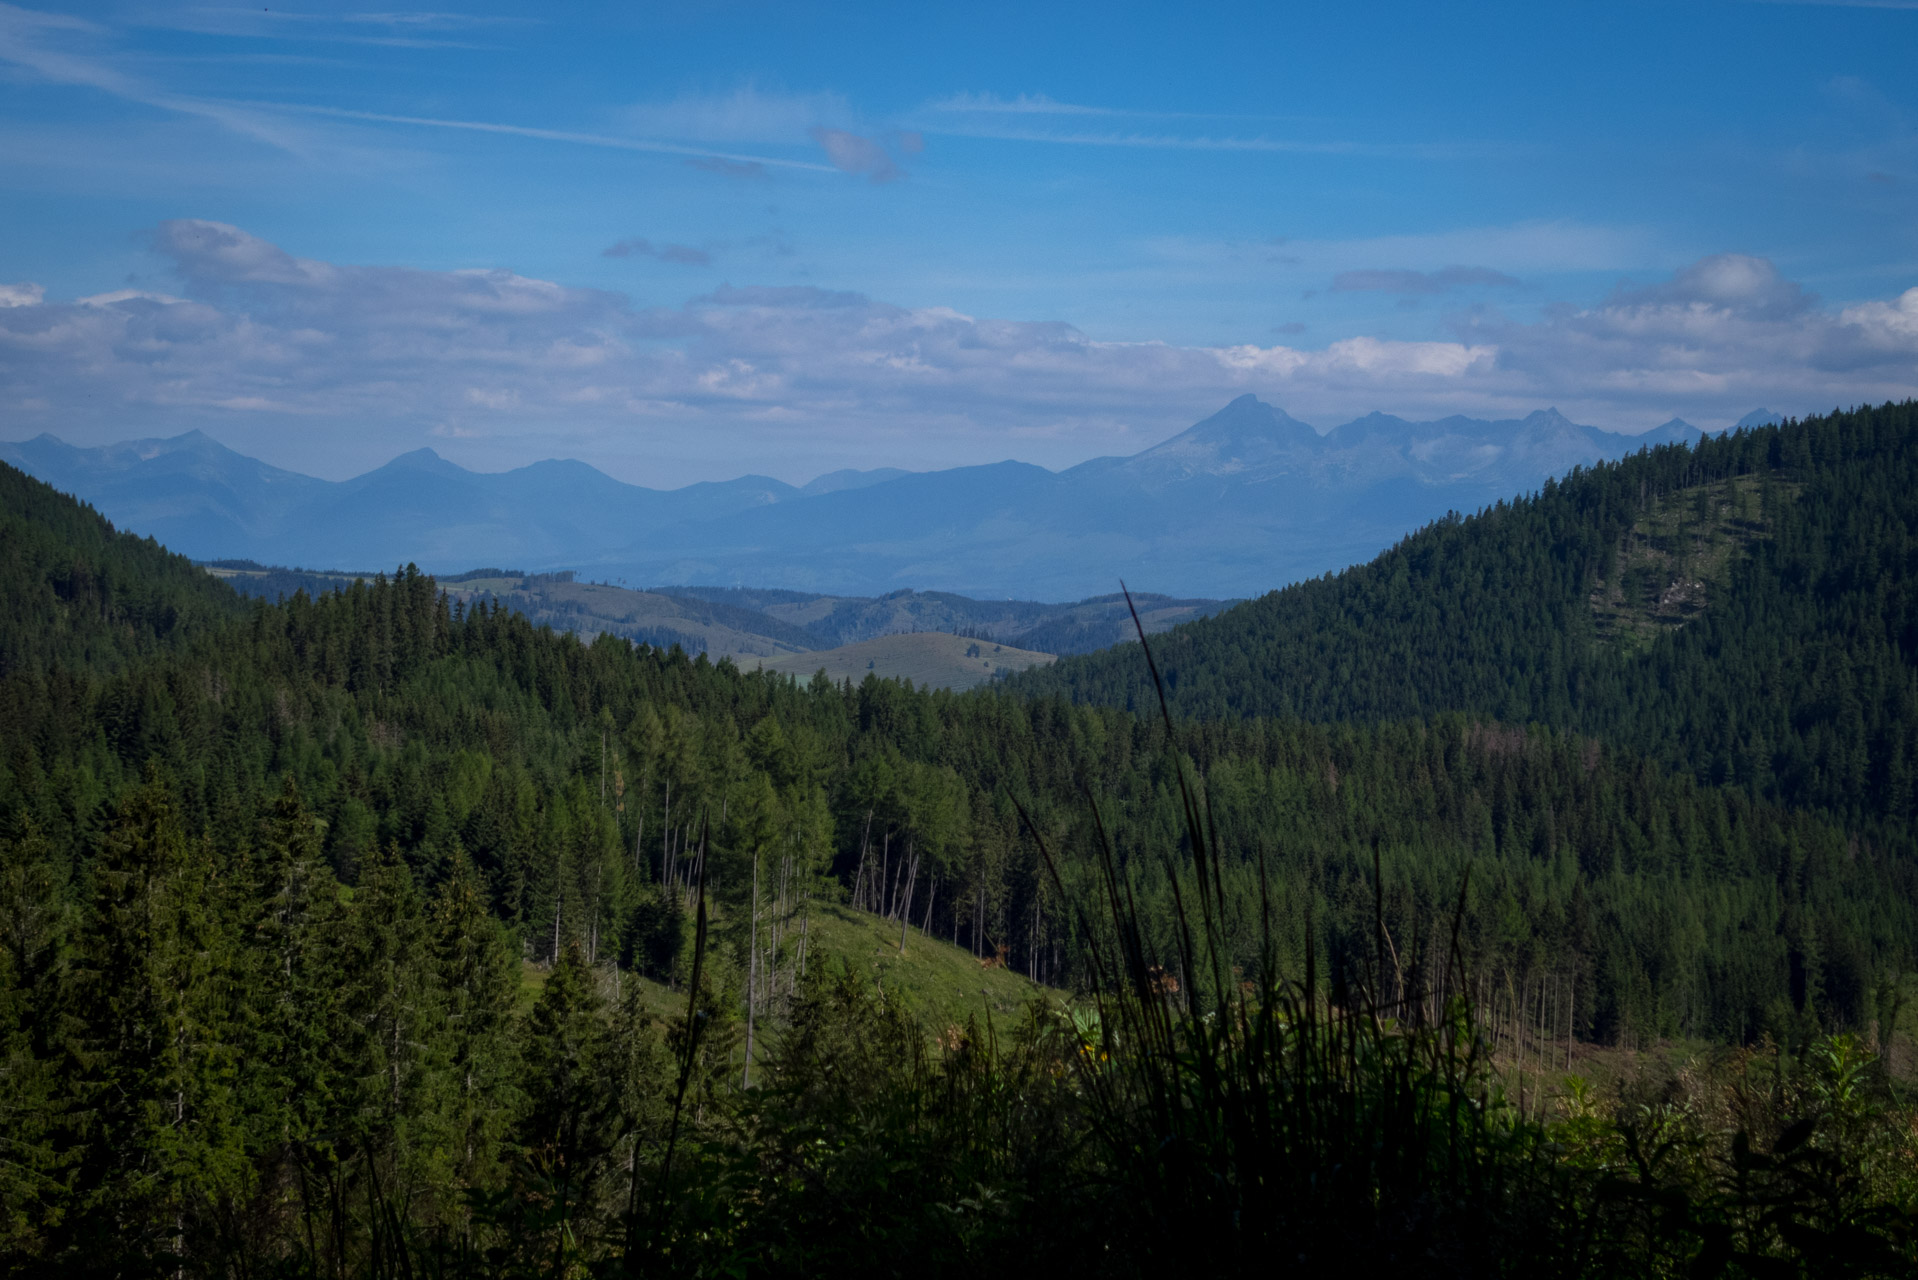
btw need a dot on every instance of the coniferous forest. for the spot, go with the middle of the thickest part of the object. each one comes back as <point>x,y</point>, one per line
<point>367,934</point>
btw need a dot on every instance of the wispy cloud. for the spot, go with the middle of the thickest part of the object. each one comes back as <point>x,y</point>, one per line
<point>436,21</point>
<point>695,153</point>
<point>856,154</point>
<point>1040,118</point>
<point>30,40</point>
<point>639,247</point>
<point>747,114</point>
<point>748,169</point>
<point>397,29</point>
<point>1037,104</point>
<point>1164,141</point>
<point>23,44</point>
<point>1444,280</point>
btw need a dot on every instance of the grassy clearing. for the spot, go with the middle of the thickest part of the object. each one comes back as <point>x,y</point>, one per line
<point>1679,556</point>
<point>927,658</point>
<point>939,984</point>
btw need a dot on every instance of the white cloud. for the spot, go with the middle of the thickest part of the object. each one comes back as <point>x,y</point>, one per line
<point>852,153</point>
<point>24,294</point>
<point>383,357</point>
<point>747,114</point>
<point>1022,105</point>
<point>1732,282</point>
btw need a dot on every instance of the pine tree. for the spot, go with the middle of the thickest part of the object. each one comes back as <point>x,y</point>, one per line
<point>152,1061</point>
<point>480,976</point>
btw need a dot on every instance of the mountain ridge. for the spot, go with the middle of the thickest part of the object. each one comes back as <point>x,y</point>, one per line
<point>1244,500</point>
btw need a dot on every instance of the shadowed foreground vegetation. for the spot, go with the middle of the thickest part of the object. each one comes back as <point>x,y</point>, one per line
<point>242,1070</point>
<point>230,1064</point>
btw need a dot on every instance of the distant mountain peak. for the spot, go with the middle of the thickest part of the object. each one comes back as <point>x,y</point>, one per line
<point>425,460</point>
<point>1677,431</point>
<point>850,478</point>
<point>1247,418</point>
<point>1759,418</point>
<point>1247,435</point>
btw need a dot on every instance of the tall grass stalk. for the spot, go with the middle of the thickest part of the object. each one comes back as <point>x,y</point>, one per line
<point>1282,1118</point>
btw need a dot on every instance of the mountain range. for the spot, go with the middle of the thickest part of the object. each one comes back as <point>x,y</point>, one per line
<point>1242,502</point>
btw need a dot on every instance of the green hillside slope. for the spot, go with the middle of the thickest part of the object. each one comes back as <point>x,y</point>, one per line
<point>939,982</point>
<point>76,592</point>
<point>1746,610</point>
<point>1078,627</point>
<point>930,659</point>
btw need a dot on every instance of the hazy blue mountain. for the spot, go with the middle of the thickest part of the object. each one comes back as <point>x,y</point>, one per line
<point>1759,418</point>
<point>834,481</point>
<point>1242,502</point>
<point>1677,431</point>
<point>191,492</point>
<point>206,501</point>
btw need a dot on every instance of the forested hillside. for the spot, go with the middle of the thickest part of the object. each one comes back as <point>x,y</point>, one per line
<point>1745,610</point>
<point>575,779</point>
<point>269,873</point>
<point>75,593</point>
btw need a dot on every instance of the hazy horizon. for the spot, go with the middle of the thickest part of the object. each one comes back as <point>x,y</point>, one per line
<point>797,481</point>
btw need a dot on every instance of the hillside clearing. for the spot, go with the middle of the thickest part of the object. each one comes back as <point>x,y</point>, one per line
<point>927,658</point>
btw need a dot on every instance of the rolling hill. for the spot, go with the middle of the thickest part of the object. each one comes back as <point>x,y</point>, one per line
<point>726,621</point>
<point>941,983</point>
<point>1080,627</point>
<point>1746,610</point>
<point>930,659</point>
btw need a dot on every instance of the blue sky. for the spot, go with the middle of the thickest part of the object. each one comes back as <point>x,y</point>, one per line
<point>685,242</point>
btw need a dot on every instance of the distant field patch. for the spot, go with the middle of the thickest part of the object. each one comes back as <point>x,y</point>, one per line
<point>924,657</point>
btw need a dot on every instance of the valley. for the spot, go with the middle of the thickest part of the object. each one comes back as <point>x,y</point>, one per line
<point>841,642</point>
<point>746,625</point>
<point>1616,776</point>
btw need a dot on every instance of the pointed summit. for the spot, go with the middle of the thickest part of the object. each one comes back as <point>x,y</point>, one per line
<point>1247,419</point>
<point>1247,435</point>
<point>424,460</point>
